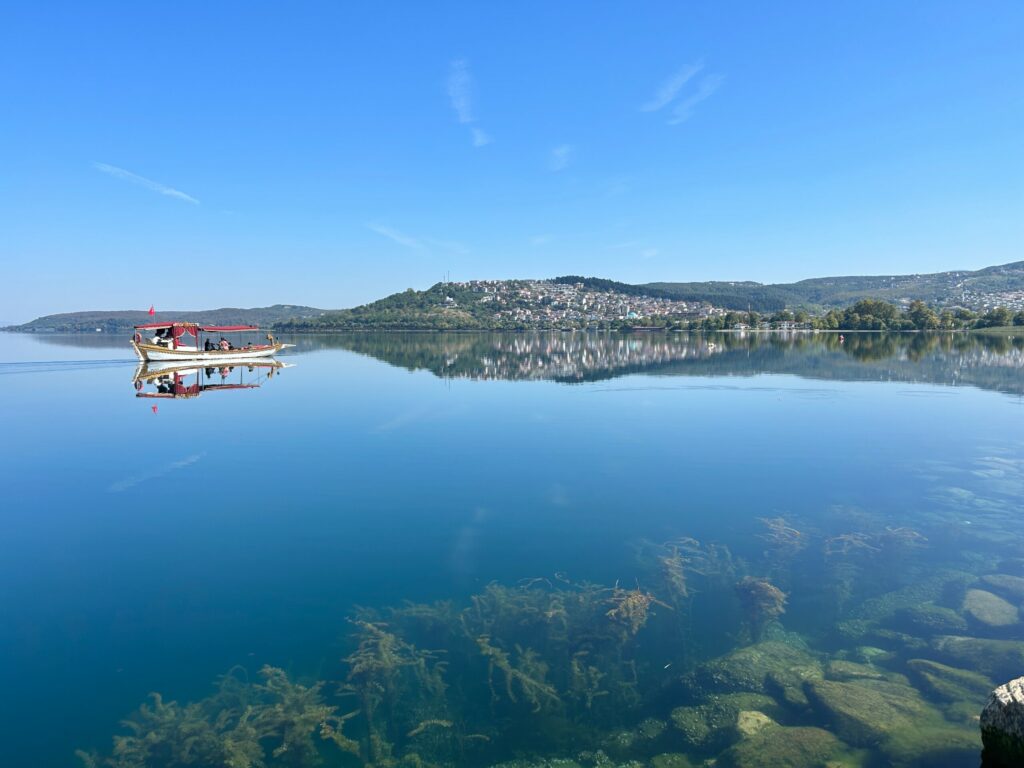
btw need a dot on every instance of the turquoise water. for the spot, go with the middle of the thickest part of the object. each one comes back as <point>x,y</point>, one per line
<point>151,550</point>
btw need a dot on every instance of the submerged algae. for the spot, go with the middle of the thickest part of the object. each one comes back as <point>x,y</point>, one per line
<point>550,666</point>
<point>244,725</point>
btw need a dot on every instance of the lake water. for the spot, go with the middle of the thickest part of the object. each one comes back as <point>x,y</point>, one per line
<point>513,547</point>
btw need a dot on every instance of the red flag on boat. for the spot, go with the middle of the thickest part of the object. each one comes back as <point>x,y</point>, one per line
<point>152,310</point>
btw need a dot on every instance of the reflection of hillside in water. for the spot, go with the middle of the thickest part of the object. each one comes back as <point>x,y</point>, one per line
<point>995,363</point>
<point>987,362</point>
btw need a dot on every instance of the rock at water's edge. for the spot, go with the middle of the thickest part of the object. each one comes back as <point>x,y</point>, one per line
<point>1002,726</point>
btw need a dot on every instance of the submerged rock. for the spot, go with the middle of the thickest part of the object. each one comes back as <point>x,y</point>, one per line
<point>999,659</point>
<point>988,609</point>
<point>869,654</point>
<point>959,692</point>
<point>1002,726</point>
<point>928,619</point>
<point>899,642</point>
<point>772,666</point>
<point>710,726</point>
<point>893,718</point>
<point>749,722</point>
<point>671,760</point>
<point>647,731</point>
<point>866,712</point>
<point>921,592</point>
<point>775,746</point>
<point>1011,586</point>
<point>838,669</point>
<point>949,683</point>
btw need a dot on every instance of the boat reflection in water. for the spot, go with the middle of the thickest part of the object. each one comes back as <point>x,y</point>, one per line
<point>177,381</point>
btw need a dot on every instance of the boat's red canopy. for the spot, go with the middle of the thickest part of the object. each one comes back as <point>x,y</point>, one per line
<point>204,328</point>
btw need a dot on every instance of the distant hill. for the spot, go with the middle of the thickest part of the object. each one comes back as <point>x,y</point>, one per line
<point>121,321</point>
<point>977,290</point>
<point>574,301</point>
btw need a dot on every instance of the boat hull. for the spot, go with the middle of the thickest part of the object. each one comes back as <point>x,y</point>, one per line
<point>155,353</point>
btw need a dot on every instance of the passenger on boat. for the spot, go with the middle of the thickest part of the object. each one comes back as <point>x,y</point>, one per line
<point>209,346</point>
<point>224,344</point>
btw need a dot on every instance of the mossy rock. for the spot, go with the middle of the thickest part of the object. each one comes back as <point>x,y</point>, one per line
<point>711,725</point>
<point>999,659</point>
<point>839,669</point>
<point>988,609</point>
<point>941,585</point>
<point>671,760</point>
<point>642,737</point>
<point>935,746</point>
<point>748,669</point>
<point>749,722</point>
<point>779,747</point>
<point>556,762</point>
<point>853,630</point>
<point>1006,585</point>
<point>894,719</point>
<point>869,654</point>
<point>865,712</point>
<point>949,683</point>
<point>927,620</point>
<point>897,641</point>
<point>650,729</point>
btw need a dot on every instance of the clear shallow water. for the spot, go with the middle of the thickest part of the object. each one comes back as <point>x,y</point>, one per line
<point>153,551</point>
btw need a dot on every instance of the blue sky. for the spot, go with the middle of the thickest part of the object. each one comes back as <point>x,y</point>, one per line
<point>192,155</point>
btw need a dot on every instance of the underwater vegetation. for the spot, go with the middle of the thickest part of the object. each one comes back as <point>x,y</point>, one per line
<point>762,603</point>
<point>243,725</point>
<point>704,658</point>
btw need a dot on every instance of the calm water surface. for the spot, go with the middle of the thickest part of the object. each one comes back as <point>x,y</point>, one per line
<point>611,523</point>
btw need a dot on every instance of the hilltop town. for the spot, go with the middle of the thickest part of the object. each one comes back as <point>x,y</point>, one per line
<point>558,303</point>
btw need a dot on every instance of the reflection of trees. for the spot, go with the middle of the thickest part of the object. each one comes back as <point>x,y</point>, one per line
<point>990,362</point>
<point>950,359</point>
<point>868,347</point>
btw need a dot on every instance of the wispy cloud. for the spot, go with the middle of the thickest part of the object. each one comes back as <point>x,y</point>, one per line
<point>672,92</point>
<point>480,139</point>
<point>446,245</point>
<point>682,111</point>
<point>417,242</point>
<point>393,234</point>
<point>539,240</point>
<point>460,93</point>
<point>153,186</point>
<point>560,157</point>
<point>668,90</point>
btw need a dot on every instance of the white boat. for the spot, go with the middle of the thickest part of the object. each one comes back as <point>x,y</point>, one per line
<point>182,342</point>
